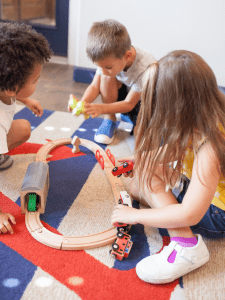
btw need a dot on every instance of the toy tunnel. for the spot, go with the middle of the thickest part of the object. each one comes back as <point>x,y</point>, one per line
<point>35,184</point>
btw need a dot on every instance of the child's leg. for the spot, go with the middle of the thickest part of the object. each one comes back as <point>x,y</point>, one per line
<point>109,91</point>
<point>18,134</point>
<point>185,251</point>
<point>158,199</point>
<point>109,87</point>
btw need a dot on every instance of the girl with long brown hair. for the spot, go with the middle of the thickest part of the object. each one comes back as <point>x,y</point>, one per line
<point>179,164</point>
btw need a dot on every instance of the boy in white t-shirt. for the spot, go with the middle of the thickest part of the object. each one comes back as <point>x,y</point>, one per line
<point>23,51</point>
<point>118,77</point>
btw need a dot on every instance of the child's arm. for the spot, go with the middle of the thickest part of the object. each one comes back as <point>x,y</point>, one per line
<point>92,91</point>
<point>33,105</point>
<point>96,109</point>
<point>204,181</point>
<point>4,222</point>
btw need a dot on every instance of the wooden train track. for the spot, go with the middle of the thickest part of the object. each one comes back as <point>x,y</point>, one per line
<point>48,238</point>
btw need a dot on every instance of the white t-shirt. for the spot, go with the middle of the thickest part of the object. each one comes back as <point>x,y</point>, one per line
<point>132,78</point>
<point>7,113</point>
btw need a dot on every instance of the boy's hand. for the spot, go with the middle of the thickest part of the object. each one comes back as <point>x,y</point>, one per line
<point>124,214</point>
<point>4,222</point>
<point>34,106</point>
<point>69,103</point>
<point>94,109</point>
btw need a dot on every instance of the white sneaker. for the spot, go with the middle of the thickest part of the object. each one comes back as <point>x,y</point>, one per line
<point>156,268</point>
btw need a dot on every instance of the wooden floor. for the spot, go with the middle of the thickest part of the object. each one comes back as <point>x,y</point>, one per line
<point>55,85</point>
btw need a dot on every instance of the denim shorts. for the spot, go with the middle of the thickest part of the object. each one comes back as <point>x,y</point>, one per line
<point>212,225</point>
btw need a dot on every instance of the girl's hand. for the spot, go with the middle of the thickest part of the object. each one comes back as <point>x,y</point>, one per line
<point>94,109</point>
<point>124,214</point>
<point>34,106</point>
<point>4,222</point>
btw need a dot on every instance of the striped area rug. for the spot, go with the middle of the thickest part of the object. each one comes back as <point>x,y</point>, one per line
<point>80,202</point>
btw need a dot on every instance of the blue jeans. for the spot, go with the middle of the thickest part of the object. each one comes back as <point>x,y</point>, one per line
<point>212,225</point>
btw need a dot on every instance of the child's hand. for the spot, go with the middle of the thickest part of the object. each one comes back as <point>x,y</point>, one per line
<point>124,214</point>
<point>94,109</point>
<point>34,106</point>
<point>4,222</point>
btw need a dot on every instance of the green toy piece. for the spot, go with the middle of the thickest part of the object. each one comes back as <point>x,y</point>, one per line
<point>32,202</point>
<point>77,107</point>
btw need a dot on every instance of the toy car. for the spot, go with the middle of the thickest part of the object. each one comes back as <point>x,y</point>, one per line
<point>125,167</point>
<point>122,246</point>
<point>32,202</point>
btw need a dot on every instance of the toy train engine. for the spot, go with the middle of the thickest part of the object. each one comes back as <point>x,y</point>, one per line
<point>125,167</point>
<point>122,246</point>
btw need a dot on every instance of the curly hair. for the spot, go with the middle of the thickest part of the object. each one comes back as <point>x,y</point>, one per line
<point>21,48</point>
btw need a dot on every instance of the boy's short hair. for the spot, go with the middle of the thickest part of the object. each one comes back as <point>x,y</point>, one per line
<point>107,38</point>
<point>21,48</point>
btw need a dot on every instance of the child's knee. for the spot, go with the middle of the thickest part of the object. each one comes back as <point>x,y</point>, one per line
<point>26,130</point>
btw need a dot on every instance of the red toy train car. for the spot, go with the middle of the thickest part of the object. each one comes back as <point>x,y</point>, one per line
<point>122,246</point>
<point>125,167</point>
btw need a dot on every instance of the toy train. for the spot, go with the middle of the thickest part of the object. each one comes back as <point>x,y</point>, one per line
<point>123,244</point>
<point>32,204</point>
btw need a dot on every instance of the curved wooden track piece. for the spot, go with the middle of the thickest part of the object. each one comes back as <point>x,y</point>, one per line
<point>48,238</point>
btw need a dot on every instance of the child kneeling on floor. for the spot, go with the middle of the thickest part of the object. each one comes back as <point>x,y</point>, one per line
<point>118,77</point>
<point>183,179</point>
<point>23,51</point>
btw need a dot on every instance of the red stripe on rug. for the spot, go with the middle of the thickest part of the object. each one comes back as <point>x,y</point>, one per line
<point>92,279</point>
<point>59,153</point>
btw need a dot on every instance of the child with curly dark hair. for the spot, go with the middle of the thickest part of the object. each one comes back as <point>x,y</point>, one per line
<point>23,51</point>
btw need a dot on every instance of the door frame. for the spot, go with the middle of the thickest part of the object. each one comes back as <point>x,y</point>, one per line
<point>57,35</point>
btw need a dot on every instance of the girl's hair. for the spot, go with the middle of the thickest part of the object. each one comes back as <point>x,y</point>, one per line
<point>21,48</point>
<point>180,97</point>
<point>107,38</point>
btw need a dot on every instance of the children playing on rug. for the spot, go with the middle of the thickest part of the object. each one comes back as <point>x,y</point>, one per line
<point>182,180</point>
<point>23,51</point>
<point>118,77</point>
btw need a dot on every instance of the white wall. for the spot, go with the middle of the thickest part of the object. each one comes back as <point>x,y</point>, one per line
<point>158,26</point>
